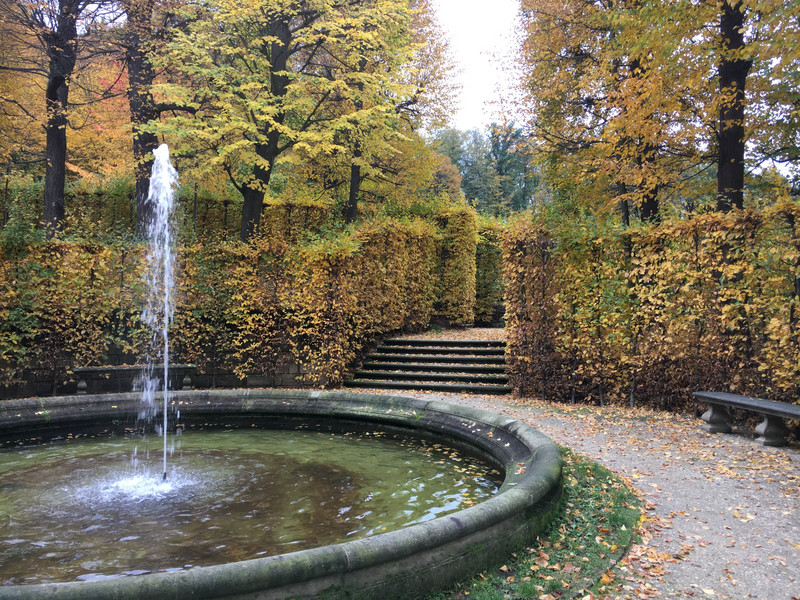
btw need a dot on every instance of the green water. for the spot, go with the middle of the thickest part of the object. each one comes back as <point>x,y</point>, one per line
<point>88,509</point>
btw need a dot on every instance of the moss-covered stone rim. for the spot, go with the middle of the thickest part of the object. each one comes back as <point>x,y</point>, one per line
<point>531,462</point>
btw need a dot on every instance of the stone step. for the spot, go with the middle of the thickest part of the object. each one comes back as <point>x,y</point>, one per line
<point>463,368</point>
<point>439,358</point>
<point>454,343</point>
<point>455,388</point>
<point>428,377</point>
<point>442,349</point>
<point>455,366</point>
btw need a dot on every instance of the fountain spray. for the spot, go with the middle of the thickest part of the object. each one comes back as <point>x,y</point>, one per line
<point>159,280</point>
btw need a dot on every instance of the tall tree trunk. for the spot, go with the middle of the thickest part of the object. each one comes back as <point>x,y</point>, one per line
<point>624,207</point>
<point>648,203</point>
<point>56,152</point>
<point>141,103</point>
<point>62,52</point>
<point>253,192</point>
<point>251,212</point>
<point>268,152</point>
<point>649,207</point>
<point>733,71</point>
<point>351,210</point>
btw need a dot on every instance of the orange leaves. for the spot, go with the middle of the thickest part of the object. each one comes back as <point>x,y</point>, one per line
<point>456,282</point>
<point>653,314</point>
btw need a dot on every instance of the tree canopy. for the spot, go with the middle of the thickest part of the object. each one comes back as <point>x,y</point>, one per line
<point>498,173</point>
<point>637,108</point>
<point>643,98</point>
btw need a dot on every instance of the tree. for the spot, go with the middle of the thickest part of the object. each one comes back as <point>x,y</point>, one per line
<point>497,172</point>
<point>271,80</point>
<point>590,104</point>
<point>510,150</point>
<point>57,32</point>
<point>479,178</point>
<point>733,69</point>
<point>19,110</point>
<point>431,74</point>
<point>136,37</point>
<point>644,95</point>
<point>425,72</point>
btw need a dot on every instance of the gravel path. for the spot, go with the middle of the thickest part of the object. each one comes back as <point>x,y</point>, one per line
<point>722,511</point>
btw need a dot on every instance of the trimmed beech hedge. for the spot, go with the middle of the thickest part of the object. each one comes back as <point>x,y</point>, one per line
<point>294,293</point>
<point>648,315</point>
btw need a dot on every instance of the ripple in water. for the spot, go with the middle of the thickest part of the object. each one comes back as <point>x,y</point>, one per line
<point>79,510</point>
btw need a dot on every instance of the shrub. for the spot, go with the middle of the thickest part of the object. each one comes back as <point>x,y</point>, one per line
<point>654,313</point>
<point>488,271</point>
<point>456,278</point>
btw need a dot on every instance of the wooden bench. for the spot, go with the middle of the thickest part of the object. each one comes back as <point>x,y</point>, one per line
<point>771,431</point>
<point>110,378</point>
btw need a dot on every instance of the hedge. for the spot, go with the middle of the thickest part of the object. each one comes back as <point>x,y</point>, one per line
<point>456,277</point>
<point>649,315</point>
<point>318,300</point>
<point>489,272</point>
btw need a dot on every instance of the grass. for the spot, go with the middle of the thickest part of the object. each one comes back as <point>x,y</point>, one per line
<point>573,557</point>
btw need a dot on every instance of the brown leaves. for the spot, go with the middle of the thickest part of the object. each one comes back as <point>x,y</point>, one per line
<point>652,315</point>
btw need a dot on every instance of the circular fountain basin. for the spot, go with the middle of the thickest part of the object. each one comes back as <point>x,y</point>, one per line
<point>405,563</point>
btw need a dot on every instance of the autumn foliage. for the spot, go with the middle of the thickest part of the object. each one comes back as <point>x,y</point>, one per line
<point>63,304</point>
<point>648,315</point>
<point>456,279</point>
<point>489,271</point>
<point>317,300</point>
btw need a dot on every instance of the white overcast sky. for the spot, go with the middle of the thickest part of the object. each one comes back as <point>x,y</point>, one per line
<point>481,36</point>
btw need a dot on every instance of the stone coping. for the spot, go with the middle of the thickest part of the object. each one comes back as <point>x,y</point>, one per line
<point>127,368</point>
<point>405,563</point>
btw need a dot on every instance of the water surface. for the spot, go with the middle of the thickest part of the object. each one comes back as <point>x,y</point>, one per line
<point>88,509</point>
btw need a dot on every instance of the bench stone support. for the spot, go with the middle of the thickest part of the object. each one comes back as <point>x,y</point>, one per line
<point>717,419</point>
<point>771,431</point>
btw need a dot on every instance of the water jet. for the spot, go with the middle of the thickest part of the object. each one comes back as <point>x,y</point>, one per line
<point>160,283</point>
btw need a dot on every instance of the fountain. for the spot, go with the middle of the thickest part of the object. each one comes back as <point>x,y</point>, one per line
<point>159,280</point>
<point>405,563</point>
<point>423,553</point>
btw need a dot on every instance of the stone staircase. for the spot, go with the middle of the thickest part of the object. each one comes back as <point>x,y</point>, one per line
<point>457,366</point>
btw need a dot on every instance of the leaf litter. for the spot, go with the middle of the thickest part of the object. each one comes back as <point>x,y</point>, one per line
<point>673,444</point>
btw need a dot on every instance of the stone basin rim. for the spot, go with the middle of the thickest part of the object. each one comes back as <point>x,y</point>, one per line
<point>400,563</point>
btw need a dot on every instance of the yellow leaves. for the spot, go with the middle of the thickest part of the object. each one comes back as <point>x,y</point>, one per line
<point>744,518</point>
<point>456,286</point>
<point>696,293</point>
<point>316,109</point>
<point>343,291</point>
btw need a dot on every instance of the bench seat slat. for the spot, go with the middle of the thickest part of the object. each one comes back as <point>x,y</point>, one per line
<point>759,405</point>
